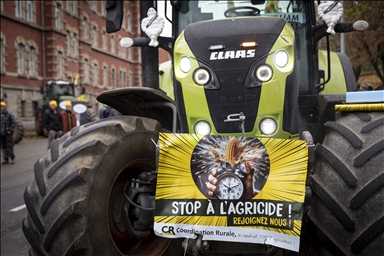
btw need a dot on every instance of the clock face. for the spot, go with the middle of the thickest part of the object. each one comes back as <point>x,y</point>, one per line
<point>229,187</point>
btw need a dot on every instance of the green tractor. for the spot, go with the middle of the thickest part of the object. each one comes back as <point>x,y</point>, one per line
<point>60,91</point>
<point>241,69</point>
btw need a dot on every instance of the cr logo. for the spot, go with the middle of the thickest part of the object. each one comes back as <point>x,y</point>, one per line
<point>168,230</point>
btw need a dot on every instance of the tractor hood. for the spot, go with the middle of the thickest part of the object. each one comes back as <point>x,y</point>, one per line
<point>230,33</point>
<point>218,46</point>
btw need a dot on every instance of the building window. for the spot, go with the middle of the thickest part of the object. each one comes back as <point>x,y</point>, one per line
<point>86,71</point>
<point>58,16</point>
<point>23,108</point>
<point>30,15</point>
<point>19,8</point>
<point>68,42</point>
<point>2,50</point>
<point>75,45</point>
<point>122,50</point>
<point>94,36</point>
<point>102,6</point>
<point>94,6</point>
<point>74,7</point>
<point>85,28</point>
<point>32,59</point>
<point>60,65</point>
<point>68,5</point>
<point>113,78</point>
<point>2,54</point>
<point>105,76</point>
<point>104,40</point>
<point>112,44</point>
<point>124,24</point>
<point>130,77</point>
<point>130,53</point>
<point>95,74</point>
<point>130,23</point>
<point>21,59</point>
<point>122,79</point>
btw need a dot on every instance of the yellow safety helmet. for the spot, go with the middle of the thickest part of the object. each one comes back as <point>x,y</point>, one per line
<point>53,102</point>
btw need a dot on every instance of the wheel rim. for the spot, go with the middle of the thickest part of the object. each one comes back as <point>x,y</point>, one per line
<point>124,242</point>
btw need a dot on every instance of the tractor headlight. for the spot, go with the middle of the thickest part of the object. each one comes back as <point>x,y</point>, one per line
<point>201,76</point>
<point>202,127</point>
<point>264,73</point>
<point>268,126</point>
<point>185,64</point>
<point>281,59</point>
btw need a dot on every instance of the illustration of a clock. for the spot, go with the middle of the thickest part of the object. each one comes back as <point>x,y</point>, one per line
<point>229,187</point>
<point>230,168</point>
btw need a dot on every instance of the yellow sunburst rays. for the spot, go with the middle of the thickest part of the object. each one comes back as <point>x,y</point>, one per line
<point>288,169</point>
<point>293,232</point>
<point>175,167</point>
<point>215,221</point>
<point>360,107</point>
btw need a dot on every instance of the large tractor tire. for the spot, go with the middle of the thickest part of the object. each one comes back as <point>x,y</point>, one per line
<point>18,132</point>
<point>74,203</point>
<point>347,207</point>
<point>91,115</point>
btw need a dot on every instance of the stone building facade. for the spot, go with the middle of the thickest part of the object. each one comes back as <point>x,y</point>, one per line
<point>58,40</point>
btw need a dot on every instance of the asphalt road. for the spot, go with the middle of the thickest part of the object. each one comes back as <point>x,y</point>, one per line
<point>14,179</point>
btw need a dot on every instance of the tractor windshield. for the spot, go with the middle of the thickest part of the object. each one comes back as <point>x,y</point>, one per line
<point>61,89</point>
<point>194,11</point>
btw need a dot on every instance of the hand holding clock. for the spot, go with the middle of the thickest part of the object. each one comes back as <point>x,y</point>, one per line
<point>223,189</point>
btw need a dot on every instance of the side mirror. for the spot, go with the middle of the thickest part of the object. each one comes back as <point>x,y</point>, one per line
<point>83,90</point>
<point>115,14</point>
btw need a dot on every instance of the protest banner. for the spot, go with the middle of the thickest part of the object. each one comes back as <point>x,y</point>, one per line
<point>228,188</point>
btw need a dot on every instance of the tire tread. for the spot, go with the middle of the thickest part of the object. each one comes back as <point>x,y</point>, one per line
<point>56,202</point>
<point>338,165</point>
<point>335,203</point>
<point>352,138</point>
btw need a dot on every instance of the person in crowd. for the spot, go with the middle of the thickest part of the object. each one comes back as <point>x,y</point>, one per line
<point>68,117</point>
<point>101,112</point>
<point>107,111</point>
<point>7,127</point>
<point>53,123</point>
<point>114,112</point>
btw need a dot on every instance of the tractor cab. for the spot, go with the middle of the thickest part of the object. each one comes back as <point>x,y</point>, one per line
<point>314,64</point>
<point>267,49</point>
<point>259,59</point>
<point>60,89</point>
